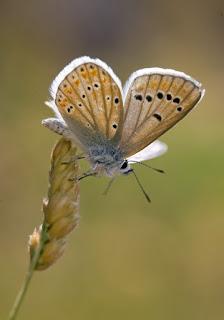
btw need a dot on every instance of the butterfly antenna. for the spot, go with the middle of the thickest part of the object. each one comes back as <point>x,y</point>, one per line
<point>141,187</point>
<point>146,165</point>
<point>108,187</point>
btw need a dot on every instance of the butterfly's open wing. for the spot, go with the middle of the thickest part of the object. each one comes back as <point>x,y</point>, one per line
<point>154,150</point>
<point>87,95</point>
<point>155,100</point>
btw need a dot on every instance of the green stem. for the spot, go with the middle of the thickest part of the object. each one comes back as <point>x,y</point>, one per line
<point>33,263</point>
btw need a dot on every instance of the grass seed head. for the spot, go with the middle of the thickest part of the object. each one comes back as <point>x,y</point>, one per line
<point>60,208</point>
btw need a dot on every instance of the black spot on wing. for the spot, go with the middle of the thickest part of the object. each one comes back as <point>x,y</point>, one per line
<point>148,98</point>
<point>176,100</point>
<point>116,100</point>
<point>169,96</point>
<point>138,97</point>
<point>157,116</point>
<point>160,95</point>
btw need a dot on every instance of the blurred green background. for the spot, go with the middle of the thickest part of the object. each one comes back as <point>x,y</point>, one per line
<point>128,259</point>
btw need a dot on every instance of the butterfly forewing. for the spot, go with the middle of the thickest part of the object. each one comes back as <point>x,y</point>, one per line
<point>88,96</point>
<point>155,100</point>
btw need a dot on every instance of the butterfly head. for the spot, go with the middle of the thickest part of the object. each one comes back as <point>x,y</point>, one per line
<point>112,169</point>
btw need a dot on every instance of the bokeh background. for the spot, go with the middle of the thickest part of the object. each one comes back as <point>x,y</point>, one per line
<point>128,259</point>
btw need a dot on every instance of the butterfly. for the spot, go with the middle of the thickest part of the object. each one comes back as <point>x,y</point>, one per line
<point>116,127</point>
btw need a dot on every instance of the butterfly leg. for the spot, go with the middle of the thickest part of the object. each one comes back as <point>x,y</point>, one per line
<point>108,186</point>
<point>74,159</point>
<point>87,174</point>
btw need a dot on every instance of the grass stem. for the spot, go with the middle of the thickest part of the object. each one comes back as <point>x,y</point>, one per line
<point>32,266</point>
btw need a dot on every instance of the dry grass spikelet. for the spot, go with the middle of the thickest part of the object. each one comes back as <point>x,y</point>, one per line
<point>61,208</point>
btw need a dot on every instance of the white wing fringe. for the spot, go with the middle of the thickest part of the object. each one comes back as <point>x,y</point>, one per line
<point>154,150</point>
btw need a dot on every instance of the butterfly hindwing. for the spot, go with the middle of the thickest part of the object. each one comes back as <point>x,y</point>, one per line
<point>155,149</point>
<point>155,100</point>
<point>88,96</point>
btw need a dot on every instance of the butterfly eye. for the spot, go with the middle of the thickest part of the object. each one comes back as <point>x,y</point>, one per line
<point>124,165</point>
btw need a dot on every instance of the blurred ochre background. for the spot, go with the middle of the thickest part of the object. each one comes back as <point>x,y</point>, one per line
<point>128,259</point>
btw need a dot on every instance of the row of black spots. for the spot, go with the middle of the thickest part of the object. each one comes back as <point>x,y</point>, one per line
<point>116,99</point>
<point>160,95</point>
<point>158,116</point>
<point>169,98</point>
<point>139,97</point>
<point>70,109</point>
<point>60,97</point>
<point>96,85</point>
<point>92,67</point>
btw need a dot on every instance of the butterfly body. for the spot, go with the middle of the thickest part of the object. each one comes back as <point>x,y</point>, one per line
<point>105,159</point>
<point>113,126</point>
